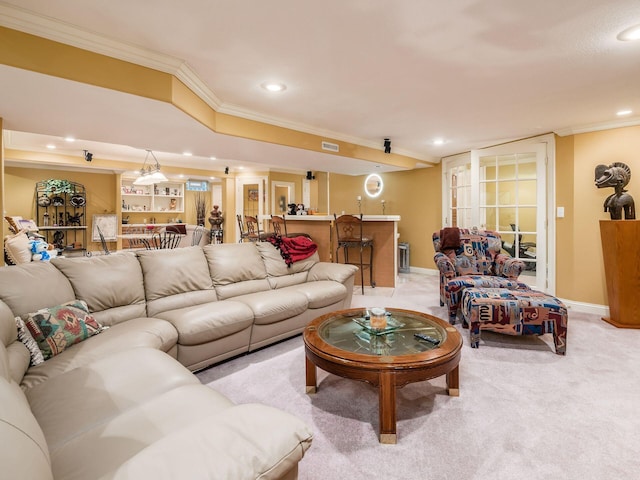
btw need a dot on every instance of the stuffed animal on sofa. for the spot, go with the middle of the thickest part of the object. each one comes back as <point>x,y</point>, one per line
<point>41,250</point>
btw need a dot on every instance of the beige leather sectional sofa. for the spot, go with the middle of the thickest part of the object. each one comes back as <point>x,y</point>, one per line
<point>118,405</point>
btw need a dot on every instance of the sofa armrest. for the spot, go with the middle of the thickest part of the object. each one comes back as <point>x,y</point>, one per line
<point>445,265</point>
<point>244,442</point>
<point>338,272</point>
<point>509,267</point>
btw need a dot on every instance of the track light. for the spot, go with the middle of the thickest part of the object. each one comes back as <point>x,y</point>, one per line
<point>387,145</point>
<point>88,156</point>
<point>310,175</point>
<point>226,170</point>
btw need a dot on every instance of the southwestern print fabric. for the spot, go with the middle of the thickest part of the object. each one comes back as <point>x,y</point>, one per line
<point>479,258</point>
<point>514,312</point>
<point>59,327</point>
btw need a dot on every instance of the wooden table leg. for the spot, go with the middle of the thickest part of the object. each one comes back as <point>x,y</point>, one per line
<point>453,382</point>
<point>387,394</point>
<point>310,368</point>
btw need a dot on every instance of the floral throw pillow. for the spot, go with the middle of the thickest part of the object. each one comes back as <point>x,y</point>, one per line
<point>57,328</point>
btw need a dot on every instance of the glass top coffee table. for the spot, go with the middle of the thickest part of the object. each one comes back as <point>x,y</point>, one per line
<point>345,344</point>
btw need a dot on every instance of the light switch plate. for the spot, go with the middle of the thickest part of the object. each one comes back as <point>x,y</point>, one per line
<point>560,212</point>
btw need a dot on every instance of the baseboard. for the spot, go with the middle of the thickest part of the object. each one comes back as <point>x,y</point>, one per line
<point>601,310</point>
<point>424,271</point>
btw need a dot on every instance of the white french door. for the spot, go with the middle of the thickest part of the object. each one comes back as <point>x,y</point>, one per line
<point>503,189</point>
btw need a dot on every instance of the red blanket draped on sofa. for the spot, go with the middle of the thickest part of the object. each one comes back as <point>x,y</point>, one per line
<point>294,249</point>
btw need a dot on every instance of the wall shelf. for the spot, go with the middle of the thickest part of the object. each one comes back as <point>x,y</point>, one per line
<point>166,197</point>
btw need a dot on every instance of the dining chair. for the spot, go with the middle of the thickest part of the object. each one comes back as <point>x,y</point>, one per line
<point>197,235</point>
<point>103,242</point>
<point>243,232</point>
<point>279,225</point>
<point>349,236</point>
<point>163,240</point>
<point>254,234</point>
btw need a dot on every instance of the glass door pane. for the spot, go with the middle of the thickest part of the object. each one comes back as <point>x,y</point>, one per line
<point>460,196</point>
<point>503,189</point>
<point>508,204</point>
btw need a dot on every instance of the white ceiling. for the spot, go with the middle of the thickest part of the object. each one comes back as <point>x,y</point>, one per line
<point>473,72</point>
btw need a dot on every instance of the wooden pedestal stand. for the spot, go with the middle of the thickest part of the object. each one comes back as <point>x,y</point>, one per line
<point>621,253</point>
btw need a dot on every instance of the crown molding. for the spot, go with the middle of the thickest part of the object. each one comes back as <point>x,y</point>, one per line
<point>46,27</point>
<point>238,111</point>
<point>39,25</point>
<point>594,127</point>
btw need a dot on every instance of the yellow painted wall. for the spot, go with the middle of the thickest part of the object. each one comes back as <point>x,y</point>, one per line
<point>20,192</point>
<point>289,178</point>
<point>585,281</point>
<point>415,195</point>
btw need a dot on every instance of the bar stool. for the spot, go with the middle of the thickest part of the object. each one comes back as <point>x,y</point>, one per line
<point>349,235</point>
<point>279,227</point>
<point>243,233</point>
<point>254,234</point>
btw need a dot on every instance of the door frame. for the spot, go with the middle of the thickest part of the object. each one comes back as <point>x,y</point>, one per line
<point>546,143</point>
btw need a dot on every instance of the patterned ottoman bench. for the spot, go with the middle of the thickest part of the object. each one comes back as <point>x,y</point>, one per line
<point>514,312</point>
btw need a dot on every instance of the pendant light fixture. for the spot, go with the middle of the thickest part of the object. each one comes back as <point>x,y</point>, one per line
<point>150,174</point>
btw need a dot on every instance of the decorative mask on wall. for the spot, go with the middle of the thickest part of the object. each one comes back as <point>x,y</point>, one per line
<point>617,175</point>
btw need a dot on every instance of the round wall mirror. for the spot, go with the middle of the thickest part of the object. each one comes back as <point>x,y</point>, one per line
<point>373,185</point>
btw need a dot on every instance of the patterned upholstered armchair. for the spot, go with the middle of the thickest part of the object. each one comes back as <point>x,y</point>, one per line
<point>472,259</point>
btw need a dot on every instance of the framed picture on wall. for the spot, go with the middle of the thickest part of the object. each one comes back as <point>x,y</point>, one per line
<point>253,195</point>
<point>108,224</point>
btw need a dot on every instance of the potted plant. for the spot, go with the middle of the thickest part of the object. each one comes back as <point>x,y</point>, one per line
<point>58,186</point>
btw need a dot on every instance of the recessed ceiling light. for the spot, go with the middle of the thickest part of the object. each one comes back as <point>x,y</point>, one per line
<point>212,158</point>
<point>631,33</point>
<point>69,139</point>
<point>212,178</point>
<point>51,146</point>
<point>240,168</point>
<point>274,87</point>
<point>622,113</point>
<point>187,154</point>
<point>438,141</point>
<point>181,175</point>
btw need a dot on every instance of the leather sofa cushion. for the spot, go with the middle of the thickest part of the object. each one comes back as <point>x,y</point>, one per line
<point>24,452</point>
<point>48,287</point>
<point>208,322</point>
<point>15,358</point>
<point>101,391</point>
<point>243,442</point>
<point>105,447</point>
<point>106,282</point>
<point>331,271</point>
<point>247,287</point>
<point>174,271</point>
<point>138,332</point>
<point>19,359</point>
<point>234,263</point>
<point>8,332</point>
<point>270,307</point>
<point>288,280</point>
<point>322,293</point>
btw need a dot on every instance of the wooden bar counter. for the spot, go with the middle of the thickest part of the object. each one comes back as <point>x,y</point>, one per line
<point>383,229</point>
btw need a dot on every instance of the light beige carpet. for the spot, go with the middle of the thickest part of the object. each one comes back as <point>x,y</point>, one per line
<point>523,412</point>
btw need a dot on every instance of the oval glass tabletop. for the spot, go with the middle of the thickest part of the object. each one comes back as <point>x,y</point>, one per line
<point>404,334</point>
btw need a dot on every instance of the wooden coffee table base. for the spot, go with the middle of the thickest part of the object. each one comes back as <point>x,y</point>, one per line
<point>386,379</point>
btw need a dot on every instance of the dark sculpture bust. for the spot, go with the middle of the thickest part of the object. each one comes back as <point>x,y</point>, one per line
<point>616,175</point>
